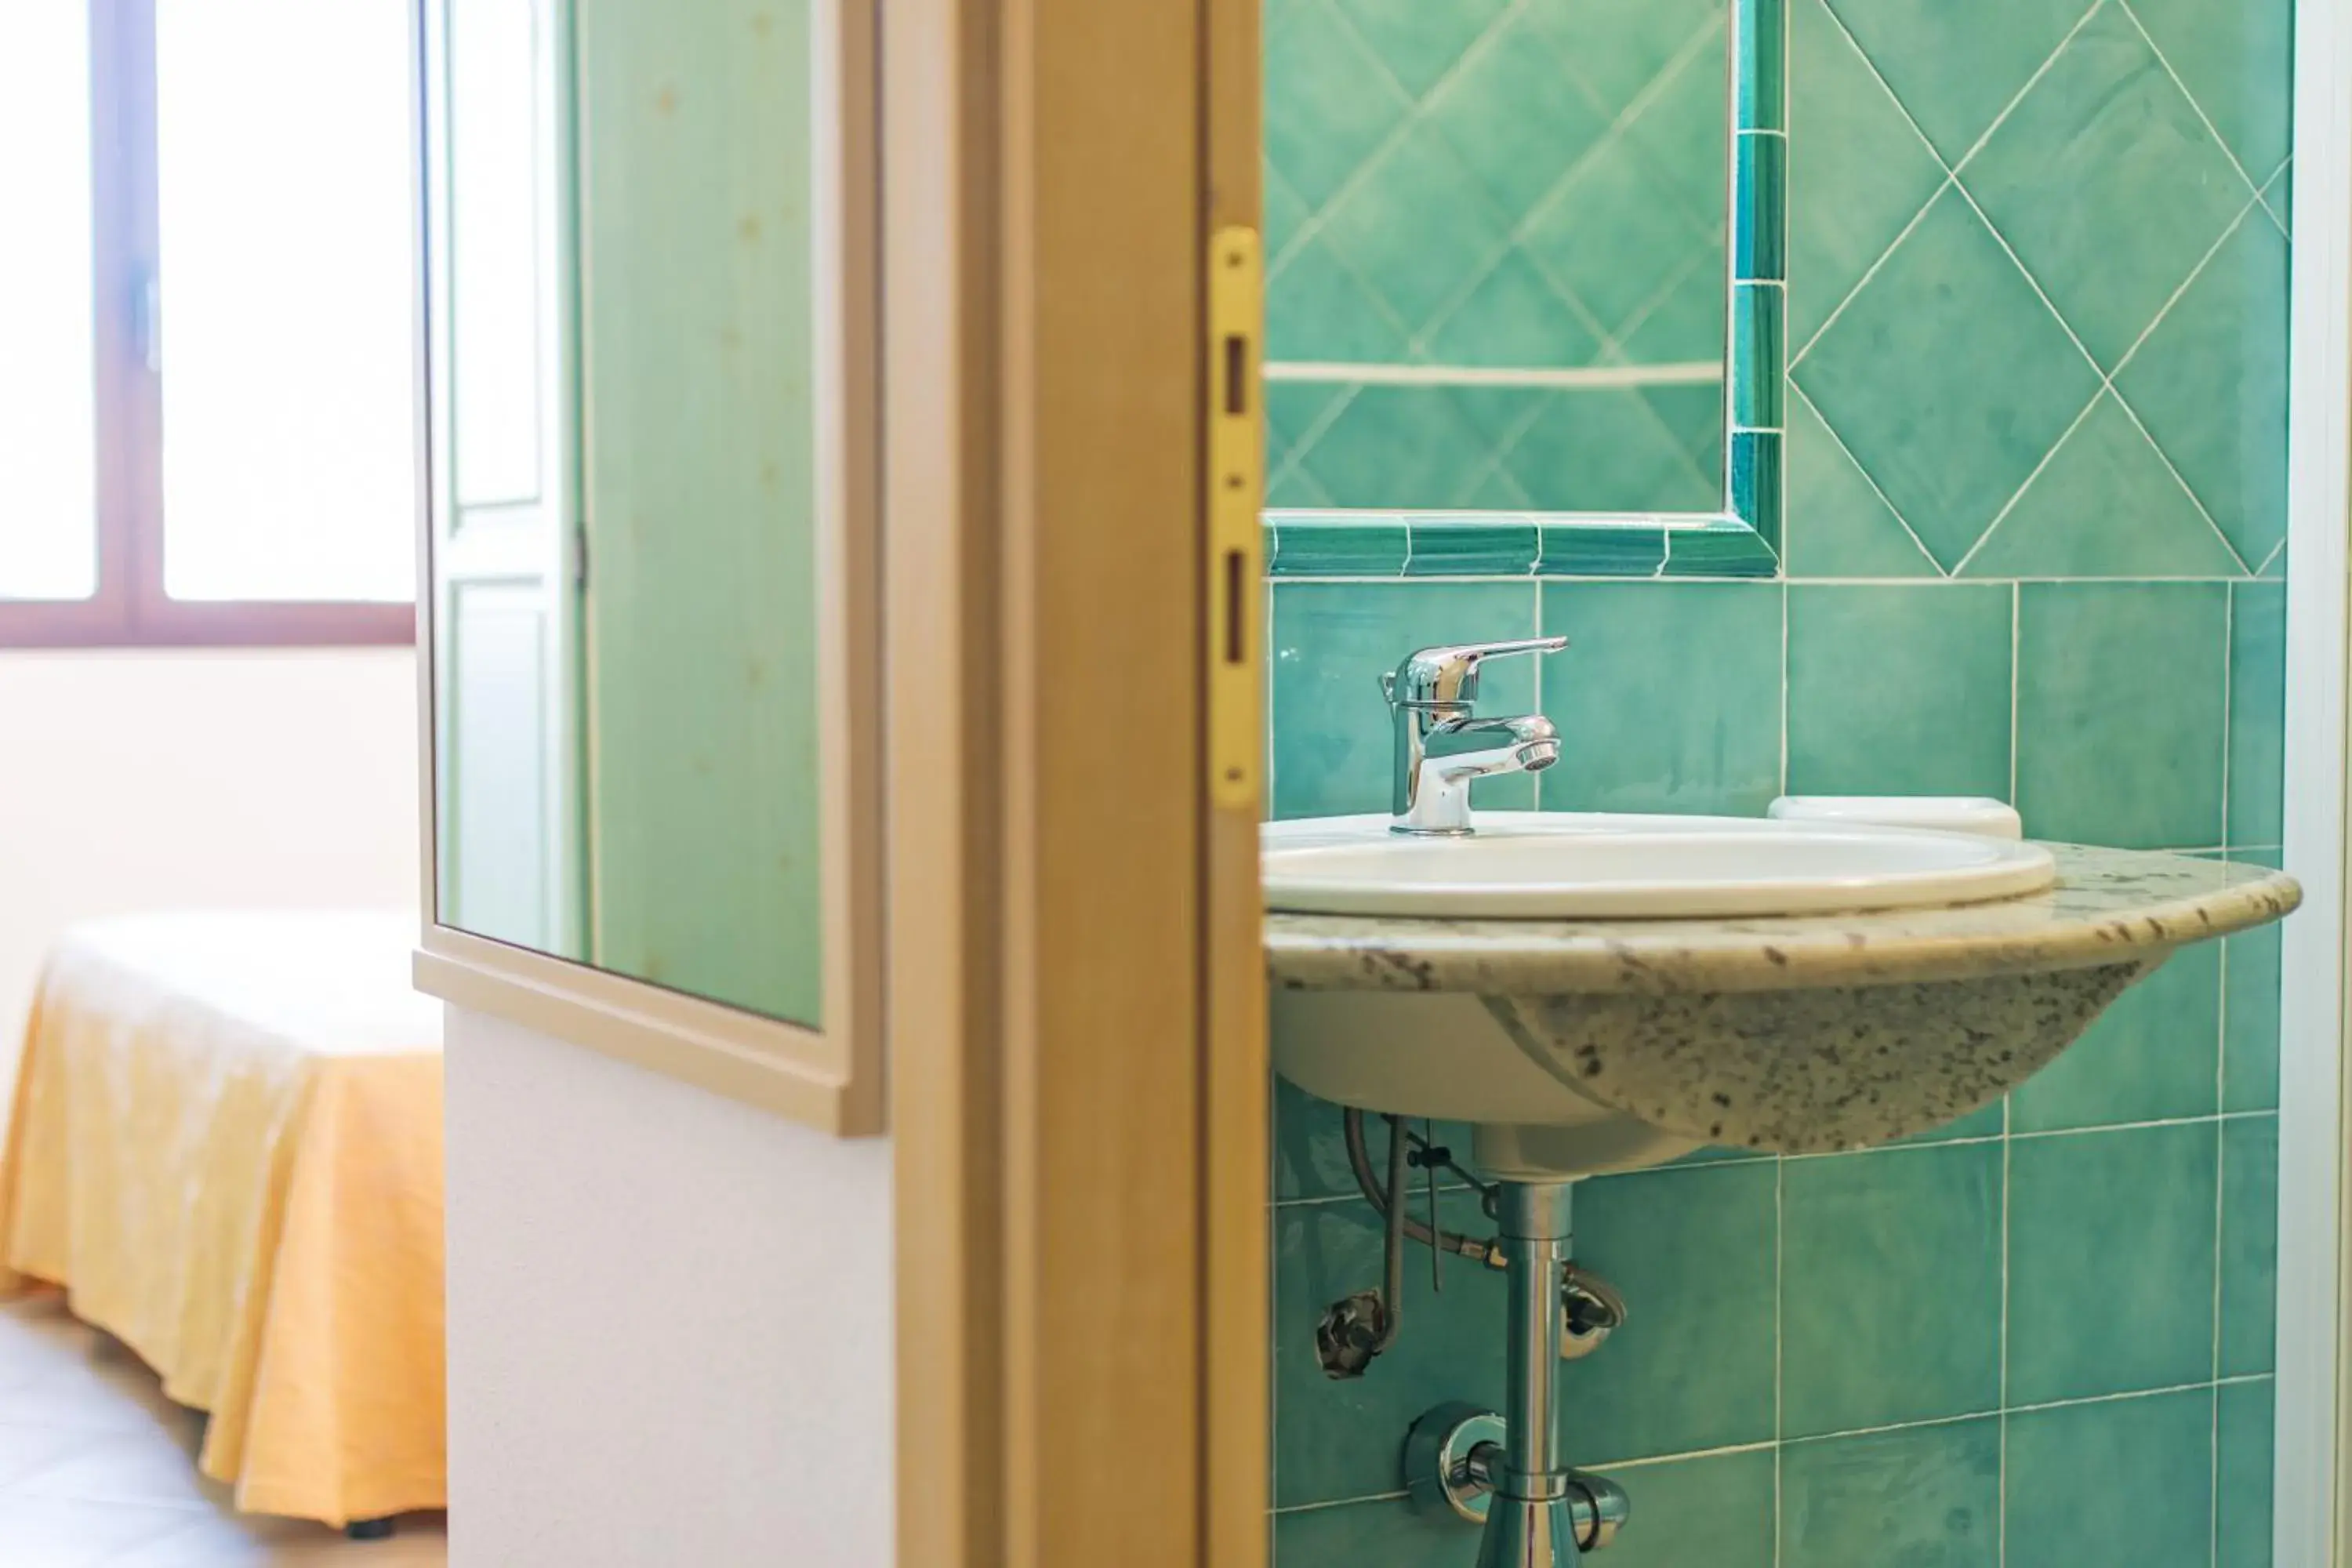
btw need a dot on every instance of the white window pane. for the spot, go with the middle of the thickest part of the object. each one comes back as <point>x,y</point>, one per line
<point>48,534</point>
<point>284,208</point>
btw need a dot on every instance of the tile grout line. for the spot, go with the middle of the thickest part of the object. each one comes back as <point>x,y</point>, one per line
<point>1780,1330</point>
<point>2107,380</point>
<point>2203,118</point>
<point>2016,635</point>
<point>2107,388</point>
<point>1951,168</point>
<point>1651,1461</point>
<point>1885,500</point>
<point>2221,1080</point>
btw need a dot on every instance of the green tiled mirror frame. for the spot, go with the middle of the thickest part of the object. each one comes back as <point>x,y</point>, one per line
<point>1742,539</point>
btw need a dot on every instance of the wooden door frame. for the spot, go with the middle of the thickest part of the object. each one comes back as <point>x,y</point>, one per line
<point>1075,1009</point>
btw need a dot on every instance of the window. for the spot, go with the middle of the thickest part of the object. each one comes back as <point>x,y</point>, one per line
<point>207,395</point>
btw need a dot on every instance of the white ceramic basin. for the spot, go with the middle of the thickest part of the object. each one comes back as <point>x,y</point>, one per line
<point>1572,865</point>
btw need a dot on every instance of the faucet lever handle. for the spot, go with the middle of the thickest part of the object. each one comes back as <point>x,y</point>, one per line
<point>1449,675</point>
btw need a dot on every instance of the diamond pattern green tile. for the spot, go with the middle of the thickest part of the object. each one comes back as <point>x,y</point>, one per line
<point>2111,1266</point>
<point>1514,316</point>
<point>1331,103</point>
<point>2153,1056</point>
<point>1607,450</point>
<point>1899,689</point>
<point>1517,121</point>
<point>1956,67</point>
<point>2235,59</point>
<point>1319,307</point>
<point>1418,43</point>
<point>1839,526</point>
<point>1682,123</point>
<point>1606,238</point>
<point>1399,447</point>
<point>2107,505</point>
<point>1417,220</point>
<point>2105,135</point>
<point>1890,1305</point>
<point>1644,36</point>
<point>2125,1481</point>
<point>2121,713</point>
<point>1928,1496</point>
<point>1991,380</point>
<point>1858,171</point>
<point>2210,385</point>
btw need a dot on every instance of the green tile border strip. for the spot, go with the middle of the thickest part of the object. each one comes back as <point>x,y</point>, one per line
<point>1401,545</point>
<point>1744,539</point>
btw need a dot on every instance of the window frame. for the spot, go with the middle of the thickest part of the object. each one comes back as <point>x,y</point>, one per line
<point>130,607</point>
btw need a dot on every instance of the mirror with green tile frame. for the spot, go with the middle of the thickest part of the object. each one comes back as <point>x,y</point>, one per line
<point>637,481</point>
<point>1525,286</point>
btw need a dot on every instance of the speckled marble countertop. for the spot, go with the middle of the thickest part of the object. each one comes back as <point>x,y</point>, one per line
<point>2109,906</point>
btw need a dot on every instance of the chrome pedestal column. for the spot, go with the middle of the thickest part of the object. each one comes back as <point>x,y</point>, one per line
<point>1529,1523</point>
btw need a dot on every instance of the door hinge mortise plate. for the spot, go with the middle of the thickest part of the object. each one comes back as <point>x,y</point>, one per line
<point>1236,479</point>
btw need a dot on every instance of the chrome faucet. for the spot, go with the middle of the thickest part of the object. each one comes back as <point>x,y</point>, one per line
<point>1441,744</point>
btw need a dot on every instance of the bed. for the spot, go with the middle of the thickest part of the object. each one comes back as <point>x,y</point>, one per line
<point>224,1145</point>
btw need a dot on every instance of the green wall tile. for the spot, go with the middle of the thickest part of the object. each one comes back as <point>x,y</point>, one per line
<point>2103,136</point>
<point>1337,1440</point>
<point>1991,381</point>
<point>1327,103</point>
<point>2119,712</point>
<point>2153,1056</point>
<point>2110,1261</point>
<point>1667,698</point>
<point>1331,641</point>
<point>1513,115</point>
<point>2257,712</point>
<point>1487,547</point>
<point>1608,450</point>
<point>1310,1150</point>
<point>2210,385</point>
<point>2249,1245</point>
<point>2250,1061</point>
<point>2121,1481</point>
<point>2106,506</point>
<point>1984,1122</point>
<point>1388,1533</point>
<point>2244,1427</point>
<point>1420,43</point>
<point>1925,1497</point>
<point>1858,171</point>
<point>1692,1248</point>
<point>1319,307</point>
<point>1394,447</point>
<point>1514,316</point>
<point>2235,59</point>
<point>1890,1296</point>
<point>1955,68</point>
<point>1715,1511</point>
<point>1417,224</point>
<point>1899,690</point>
<point>1838,525</point>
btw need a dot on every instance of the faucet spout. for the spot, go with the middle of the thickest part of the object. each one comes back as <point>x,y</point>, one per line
<point>1456,751</point>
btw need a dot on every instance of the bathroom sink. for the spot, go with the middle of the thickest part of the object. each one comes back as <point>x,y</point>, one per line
<point>1819,986</point>
<point>1537,865</point>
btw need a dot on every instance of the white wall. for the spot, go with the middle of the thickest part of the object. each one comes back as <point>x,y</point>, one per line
<point>670,1322</point>
<point>160,778</point>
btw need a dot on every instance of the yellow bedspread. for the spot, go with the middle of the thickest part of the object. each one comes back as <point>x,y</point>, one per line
<point>226,1145</point>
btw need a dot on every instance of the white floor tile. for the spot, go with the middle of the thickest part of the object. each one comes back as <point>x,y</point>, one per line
<point>96,1470</point>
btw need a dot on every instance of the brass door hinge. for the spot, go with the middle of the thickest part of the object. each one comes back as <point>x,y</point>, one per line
<point>1236,482</point>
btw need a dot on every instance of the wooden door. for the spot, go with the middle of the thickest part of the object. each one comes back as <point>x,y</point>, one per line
<point>1077,1020</point>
